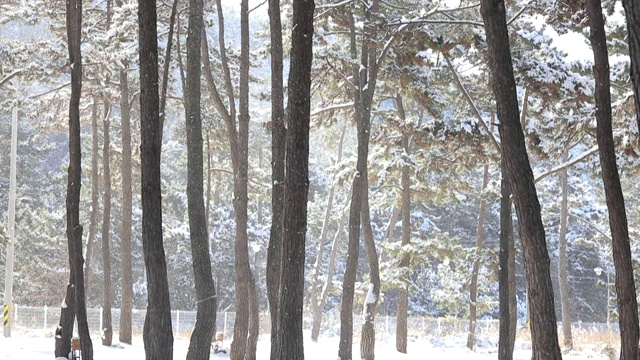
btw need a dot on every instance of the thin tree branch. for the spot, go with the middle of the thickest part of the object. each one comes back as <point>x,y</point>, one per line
<point>50,91</point>
<point>332,108</point>
<point>567,164</point>
<point>591,225</point>
<point>472,104</point>
<point>10,76</point>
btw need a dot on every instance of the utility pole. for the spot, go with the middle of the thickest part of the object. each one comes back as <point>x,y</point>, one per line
<point>8,281</point>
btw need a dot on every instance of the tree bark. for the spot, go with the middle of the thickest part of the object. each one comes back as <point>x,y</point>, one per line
<point>278,138</point>
<point>508,323</point>
<point>158,336</point>
<point>95,179</point>
<point>473,286</point>
<point>296,185</point>
<point>625,285</point>
<point>537,265</point>
<point>200,342</point>
<point>362,95</point>
<point>316,290</point>
<point>632,11</point>
<point>368,338</point>
<point>74,229</point>
<point>403,294</point>
<point>243,271</point>
<point>328,285</point>
<point>127,206</point>
<point>563,279</point>
<point>107,328</point>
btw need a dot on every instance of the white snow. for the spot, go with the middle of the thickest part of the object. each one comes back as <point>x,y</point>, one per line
<point>432,347</point>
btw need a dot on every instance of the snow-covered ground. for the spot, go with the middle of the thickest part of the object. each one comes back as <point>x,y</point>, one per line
<point>450,348</point>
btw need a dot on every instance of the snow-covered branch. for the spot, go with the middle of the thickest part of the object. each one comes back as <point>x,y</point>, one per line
<point>567,164</point>
<point>331,107</point>
<point>472,104</point>
<point>10,76</point>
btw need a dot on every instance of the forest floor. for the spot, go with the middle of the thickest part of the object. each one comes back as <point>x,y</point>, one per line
<point>448,348</point>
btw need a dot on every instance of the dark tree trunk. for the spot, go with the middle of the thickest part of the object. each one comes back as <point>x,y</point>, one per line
<point>93,222</point>
<point>243,271</point>
<point>362,117</point>
<point>278,137</point>
<point>158,336</point>
<point>632,10</point>
<point>473,286</point>
<point>64,331</point>
<point>625,285</point>
<point>254,322</point>
<point>127,201</point>
<point>537,265</point>
<point>107,329</point>
<point>563,276</point>
<point>200,344</point>
<point>508,324</point>
<point>294,228</point>
<point>368,338</point>
<point>74,229</point>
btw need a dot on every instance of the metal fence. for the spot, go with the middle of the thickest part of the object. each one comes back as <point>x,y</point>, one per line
<point>43,321</point>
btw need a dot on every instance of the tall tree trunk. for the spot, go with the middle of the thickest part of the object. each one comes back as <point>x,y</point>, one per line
<point>158,336</point>
<point>563,279</point>
<point>74,230</point>
<point>107,328</point>
<point>127,206</point>
<point>93,222</point>
<point>200,343</point>
<point>473,285</point>
<point>316,290</point>
<point>625,285</point>
<point>296,186</point>
<point>632,11</point>
<point>278,138</point>
<point>537,265</point>
<point>403,294</point>
<point>254,323</point>
<point>328,284</point>
<point>368,338</point>
<point>508,323</point>
<point>243,271</point>
<point>357,192</point>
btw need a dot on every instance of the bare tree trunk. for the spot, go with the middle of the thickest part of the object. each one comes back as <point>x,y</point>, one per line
<point>64,331</point>
<point>368,338</point>
<point>403,294</point>
<point>632,11</point>
<point>328,285</point>
<point>243,271</point>
<point>93,224</point>
<point>563,279</point>
<point>316,290</point>
<point>107,328</point>
<point>200,342</point>
<point>508,323</point>
<point>291,295</point>
<point>158,336</point>
<point>625,285</point>
<point>127,207</point>
<point>473,286</point>
<point>74,230</point>
<point>254,323</point>
<point>278,138</point>
<point>537,265</point>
